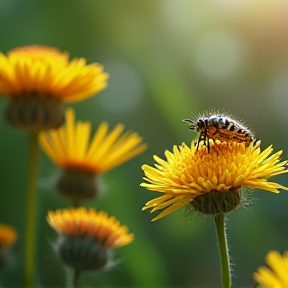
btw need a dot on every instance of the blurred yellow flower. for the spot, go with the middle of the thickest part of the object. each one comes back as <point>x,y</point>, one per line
<point>46,72</point>
<point>190,176</point>
<point>277,277</point>
<point>82,160</point>
<point>86,237</point>
<point>38,79</point>
<point>69,146</point>
<point>8,236</point>
<point>91,224</point>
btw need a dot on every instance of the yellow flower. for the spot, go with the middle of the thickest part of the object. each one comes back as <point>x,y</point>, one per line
<point>190,176</point>
<point>38,79</point>
<point>91,224</point>
<point>87,237</point>
<point>47,72</point>
<point>277,277</point>
<point>8,236</point>
<point>70,148</point>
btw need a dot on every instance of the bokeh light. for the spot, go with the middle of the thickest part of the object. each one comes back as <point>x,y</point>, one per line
<point>220,55</point>
<point>166,60</point>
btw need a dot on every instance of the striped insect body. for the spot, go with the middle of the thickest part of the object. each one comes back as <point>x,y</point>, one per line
<point>220,127</point>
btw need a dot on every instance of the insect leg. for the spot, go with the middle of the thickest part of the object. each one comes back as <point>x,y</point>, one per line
<point>202,137</point>
<point>199,140</point>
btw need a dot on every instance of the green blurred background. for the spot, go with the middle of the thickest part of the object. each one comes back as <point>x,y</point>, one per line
<point>166,59</point>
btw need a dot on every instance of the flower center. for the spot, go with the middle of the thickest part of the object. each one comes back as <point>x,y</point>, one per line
<point>39,53</point>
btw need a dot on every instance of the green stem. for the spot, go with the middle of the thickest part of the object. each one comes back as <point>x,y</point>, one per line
<point>76,276</point>
<point>223,249</point>
<point>31,200</point>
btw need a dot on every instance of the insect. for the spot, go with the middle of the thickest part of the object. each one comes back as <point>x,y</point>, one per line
<point>220,127</point>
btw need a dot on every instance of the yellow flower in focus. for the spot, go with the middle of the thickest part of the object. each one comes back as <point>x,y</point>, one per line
<point>86,237</point>
<point>91,224</point>
<point>277,277</point>
<point>210,181</point>
<point>47,72</point>
<point>70,147</point>
<point>8,236</point>
<point>38,79</point>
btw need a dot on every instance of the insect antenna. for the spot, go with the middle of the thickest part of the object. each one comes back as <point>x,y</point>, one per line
<point>191,123</point>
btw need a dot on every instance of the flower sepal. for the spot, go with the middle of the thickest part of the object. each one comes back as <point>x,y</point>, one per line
<point>216,202</point>
<point>35,114</point>
<point>82,253</point>
<point>78,184</point>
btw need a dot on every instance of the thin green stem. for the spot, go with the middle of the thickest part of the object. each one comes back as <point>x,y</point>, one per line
<point>223,249</point>
<point>30,220</point>
<point>76,276</point>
